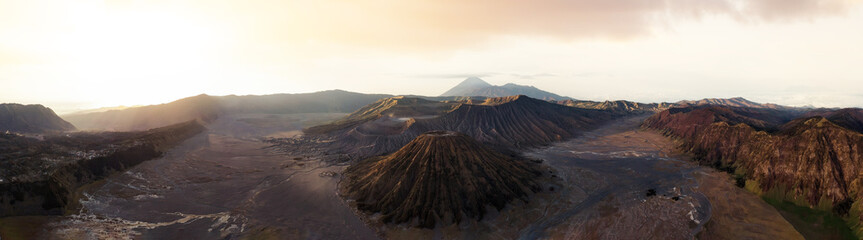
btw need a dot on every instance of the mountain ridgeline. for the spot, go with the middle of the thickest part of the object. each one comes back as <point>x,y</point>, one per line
<point>208,108</point>
<point>439,178</point>
<point>31,119</point>
<point>618,106</point>
<point>514,122</point>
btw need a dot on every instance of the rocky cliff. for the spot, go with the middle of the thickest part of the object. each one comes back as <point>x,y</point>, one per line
<point>41,177</point>
<point>809,160</point>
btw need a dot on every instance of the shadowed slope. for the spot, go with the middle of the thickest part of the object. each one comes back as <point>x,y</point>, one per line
<point>439,177</point>
<point>31,119</point>
<point>330,101</point>
<point>394,107</point>
<point>516,121</point>
<point>208,108</point>
<point>202,107</point>
<point>850,118</point>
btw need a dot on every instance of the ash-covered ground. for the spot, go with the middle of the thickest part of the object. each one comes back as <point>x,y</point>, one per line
<point>224,183</point>
<point>621,182</point>
<point>233,181</point>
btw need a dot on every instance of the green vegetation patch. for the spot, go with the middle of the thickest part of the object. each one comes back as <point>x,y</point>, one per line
<point>813,223</point>
<point>25,227</point>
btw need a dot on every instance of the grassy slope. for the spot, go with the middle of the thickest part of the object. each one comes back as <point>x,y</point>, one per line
<point>813,223</point>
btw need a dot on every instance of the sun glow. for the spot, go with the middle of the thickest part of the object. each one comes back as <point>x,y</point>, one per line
<point>135,56</point>
<point>99,53</point>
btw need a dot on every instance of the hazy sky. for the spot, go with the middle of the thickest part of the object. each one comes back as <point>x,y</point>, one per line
<point>82,54</point>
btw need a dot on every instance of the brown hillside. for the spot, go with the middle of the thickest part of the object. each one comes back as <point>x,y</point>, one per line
<point>439,177</point>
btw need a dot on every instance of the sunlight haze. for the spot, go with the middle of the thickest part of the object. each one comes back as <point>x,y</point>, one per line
<point>73,55</point>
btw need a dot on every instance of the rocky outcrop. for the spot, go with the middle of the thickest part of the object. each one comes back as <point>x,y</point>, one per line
<point>619,106</point>
<point>42,177</point>
<point>850,118</point>
<point>388,108</point>
<point>31,119</point>
<point>737,102</point>
<point>686,122</point>
<point>439,178</point>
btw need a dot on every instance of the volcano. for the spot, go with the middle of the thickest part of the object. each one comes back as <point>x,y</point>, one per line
<point>505,124</point>
<point>439,178</point>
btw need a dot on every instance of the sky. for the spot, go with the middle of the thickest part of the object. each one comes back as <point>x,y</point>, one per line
<point>73,55</point>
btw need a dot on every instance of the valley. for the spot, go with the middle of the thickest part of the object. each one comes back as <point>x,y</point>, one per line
<point>431,120</point>
<point>414,167</point>
<point>224,184</point>
<point>218,184</point>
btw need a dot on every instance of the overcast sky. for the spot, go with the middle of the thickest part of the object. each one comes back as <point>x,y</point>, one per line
<point>84,54</point>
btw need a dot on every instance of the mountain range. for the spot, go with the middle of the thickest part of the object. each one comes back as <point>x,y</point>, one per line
<point>208,108</point>
<point>426,161</point>
<point>513,122</point>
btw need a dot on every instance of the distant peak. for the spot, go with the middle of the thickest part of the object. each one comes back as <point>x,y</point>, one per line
<point>475,81</point>
<point>468,85</point>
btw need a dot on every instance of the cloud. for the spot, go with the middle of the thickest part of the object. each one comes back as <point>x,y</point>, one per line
<point>795,9</point>
<point>435,24</point>
<point>528,76</point>
<point>532,76</point>
<point>455,75</point>
<point>269,30</point>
